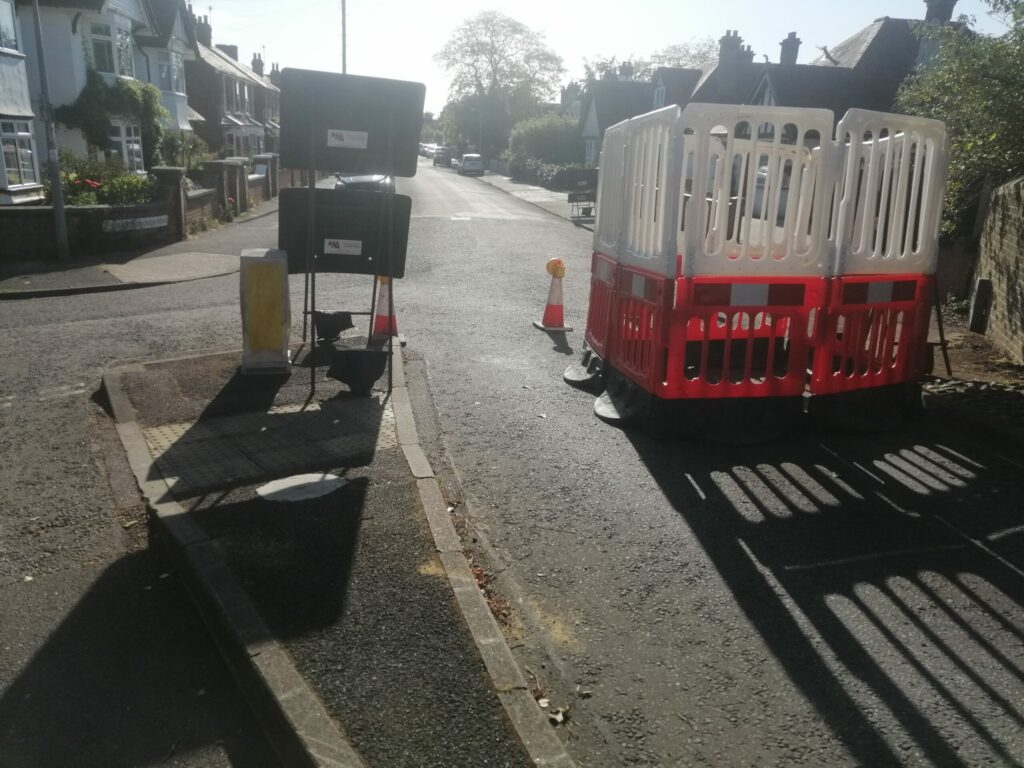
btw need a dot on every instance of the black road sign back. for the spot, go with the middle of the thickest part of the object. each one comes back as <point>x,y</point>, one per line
<point>356,233</point>
<point>349,123</point>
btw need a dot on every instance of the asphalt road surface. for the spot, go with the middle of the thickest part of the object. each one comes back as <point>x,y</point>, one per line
<point>824,599</point>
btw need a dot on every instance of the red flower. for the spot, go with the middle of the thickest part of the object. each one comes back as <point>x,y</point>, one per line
<point>231,200</point>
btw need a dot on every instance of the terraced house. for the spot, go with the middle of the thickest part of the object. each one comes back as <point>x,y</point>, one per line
<point>19,162</point>
<point>239,106</point>
<point>91,42</point>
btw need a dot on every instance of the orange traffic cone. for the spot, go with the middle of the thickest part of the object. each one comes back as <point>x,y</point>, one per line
<point>384,321</point>
<point>554,317</point>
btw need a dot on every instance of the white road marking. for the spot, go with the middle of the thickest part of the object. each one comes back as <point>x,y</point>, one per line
<point>461,218</point>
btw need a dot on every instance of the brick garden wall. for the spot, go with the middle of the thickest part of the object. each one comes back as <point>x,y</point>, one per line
<point>93,230</point>
<point>1001,260</point>
<point>257,190</point>
<point>200,209</point>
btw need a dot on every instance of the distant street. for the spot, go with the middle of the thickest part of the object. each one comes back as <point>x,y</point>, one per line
<point>825,599</point>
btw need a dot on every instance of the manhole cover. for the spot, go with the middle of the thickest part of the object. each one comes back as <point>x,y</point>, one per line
<point>301,487</point>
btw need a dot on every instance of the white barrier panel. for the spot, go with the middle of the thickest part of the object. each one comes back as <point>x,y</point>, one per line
<point>889,195</point>
<point>648,239</point>
<point>611,190</point>
<point>753,190</point>
<point>266,312</point>
<point>766,191</point>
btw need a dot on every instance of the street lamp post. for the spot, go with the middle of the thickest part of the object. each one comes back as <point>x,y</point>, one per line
<point>344,40</point>
<point>60,227</point>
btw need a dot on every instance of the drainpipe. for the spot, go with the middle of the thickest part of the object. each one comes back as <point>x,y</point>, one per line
<point>60,225</point>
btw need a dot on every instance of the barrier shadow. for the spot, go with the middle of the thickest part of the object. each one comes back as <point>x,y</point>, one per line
<point>883,574</point>
<point>129,678</point>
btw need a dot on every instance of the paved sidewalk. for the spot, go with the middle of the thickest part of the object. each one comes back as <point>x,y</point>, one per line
<point>351,618</point>
<point>556,203</point>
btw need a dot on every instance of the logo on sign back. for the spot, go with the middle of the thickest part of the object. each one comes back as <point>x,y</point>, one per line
<point>339,139</point>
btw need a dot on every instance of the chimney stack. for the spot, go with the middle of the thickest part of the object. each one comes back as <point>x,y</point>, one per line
<point>747,55</point>
<point>275,75</point>
<point>257,64</point>
<point>790,49</point>
<point>204,32</point>
<point>230,50</point>
<point>940,11</point>
<point>730,48</point>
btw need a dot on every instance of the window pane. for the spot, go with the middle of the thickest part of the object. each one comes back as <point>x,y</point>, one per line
<point>7,127</point>
<point>100,30</point>
<point>102,56</point>
<point>11,162</point>
<point>125,58</point>
<point>8,39</point>
<point>28,168</point>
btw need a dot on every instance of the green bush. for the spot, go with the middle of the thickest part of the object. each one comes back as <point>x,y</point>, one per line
<point>128,189</point>
<point>550,138</point>
<point>92,181</point>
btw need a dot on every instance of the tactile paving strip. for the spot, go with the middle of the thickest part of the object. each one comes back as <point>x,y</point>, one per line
<point>222,452</point>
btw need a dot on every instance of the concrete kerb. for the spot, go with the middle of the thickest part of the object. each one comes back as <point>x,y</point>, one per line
<point>537,737</point>
<point>42,293</point>
<point>295,721</point>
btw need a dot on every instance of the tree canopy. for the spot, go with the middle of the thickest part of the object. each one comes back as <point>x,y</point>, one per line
<point>691,53</point>
<point>975,84</point>
<point>491,54</point>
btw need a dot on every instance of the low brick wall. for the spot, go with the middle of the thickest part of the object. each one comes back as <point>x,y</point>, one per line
<point>93,230</point>
<point>257,190</point>
<point>200,209</point>
<point>1001,260</point>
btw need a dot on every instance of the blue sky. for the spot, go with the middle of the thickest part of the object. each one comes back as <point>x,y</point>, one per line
<point>397,38</point>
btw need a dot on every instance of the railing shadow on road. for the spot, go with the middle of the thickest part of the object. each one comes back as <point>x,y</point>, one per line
<point>884,576</point>
<point>127,679</point>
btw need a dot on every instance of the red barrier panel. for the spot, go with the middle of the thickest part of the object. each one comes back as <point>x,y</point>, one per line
<point>714,337</point>
<point>741,337</point>
<point>873,333</point>
<point>599,311</point>
<point>640,307</point>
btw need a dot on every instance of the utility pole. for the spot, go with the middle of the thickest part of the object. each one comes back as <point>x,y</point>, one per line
<point>344,40</point>
<point>60,225</point>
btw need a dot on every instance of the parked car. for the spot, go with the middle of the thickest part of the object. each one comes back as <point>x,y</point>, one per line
<point>443,157</point>
<point>369,183</point>
<point>471,165</point>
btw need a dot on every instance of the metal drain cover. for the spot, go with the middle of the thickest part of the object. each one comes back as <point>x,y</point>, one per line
<point>301,487</point>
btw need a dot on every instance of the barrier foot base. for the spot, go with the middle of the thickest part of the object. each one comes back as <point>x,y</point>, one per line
<point>588,374</point>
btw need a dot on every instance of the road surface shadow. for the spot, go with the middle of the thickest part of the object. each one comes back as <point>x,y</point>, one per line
<point>885,578</point>
<point>129,678</point>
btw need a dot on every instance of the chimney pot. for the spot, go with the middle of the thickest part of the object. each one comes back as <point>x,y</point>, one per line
<point>940,11</point>
<point>790,49</point>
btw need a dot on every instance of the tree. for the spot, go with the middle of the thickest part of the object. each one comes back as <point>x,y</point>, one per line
<point>492,54</point>
<point>691,54</point>
<point>975,84</point>
<point>550,138</point>
<point>610,68</point>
